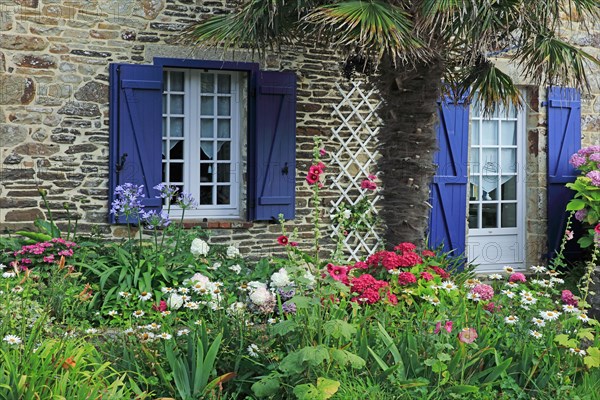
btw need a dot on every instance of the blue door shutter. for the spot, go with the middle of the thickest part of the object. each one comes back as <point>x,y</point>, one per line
<point>136,129</point>
<point>564,139</point>
<point>447,223</point>
<point>273,144</point>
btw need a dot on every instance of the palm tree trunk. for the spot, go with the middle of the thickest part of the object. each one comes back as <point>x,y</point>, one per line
<point>408,143</point>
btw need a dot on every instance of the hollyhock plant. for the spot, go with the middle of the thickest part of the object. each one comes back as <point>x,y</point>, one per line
<point>467,335</point>
<point>339,273</point>
<point>282,240</point>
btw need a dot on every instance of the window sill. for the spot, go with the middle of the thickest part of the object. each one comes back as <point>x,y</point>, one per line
<point>218,224</point>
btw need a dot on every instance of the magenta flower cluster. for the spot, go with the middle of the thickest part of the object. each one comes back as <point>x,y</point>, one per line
<point>46,252</point>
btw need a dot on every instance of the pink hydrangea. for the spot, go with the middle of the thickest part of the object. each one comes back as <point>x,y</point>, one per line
<point>492,307</point>
<point>580,214</point>
<point>483,291</point>
<point>594,176</point>
<point>409,260</point>
<point>368,184</point>
<point>428,253</point>
<point>406,278</point>
<point>517,277</point>
<point>577,160</point>
<point>405,247</point>
<point>567,297</point>
<point>426,276</point>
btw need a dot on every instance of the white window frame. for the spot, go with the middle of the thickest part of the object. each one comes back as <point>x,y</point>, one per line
<point>192,138</point>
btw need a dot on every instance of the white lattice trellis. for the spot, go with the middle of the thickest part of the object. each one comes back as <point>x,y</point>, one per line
<point>356,158</point>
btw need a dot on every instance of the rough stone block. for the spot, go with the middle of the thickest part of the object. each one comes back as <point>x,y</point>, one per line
<point>80,109</point>
<point>12,135</point>
<point>37,149</point>
<point>16,89</point>
<point>93,91</point>
<point>35,61</point>
<point>22,42</point>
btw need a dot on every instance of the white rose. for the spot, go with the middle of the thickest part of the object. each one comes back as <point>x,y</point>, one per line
<point>261,296</point>
<point>198,277</point>
<point>215,266</point>
<point>175,301</point>
<point>347,214</point>
<point>253,285</point>
<point>236,268</point>
<point>280,279</point>
<point>233,252</point>
<point>199,247</point>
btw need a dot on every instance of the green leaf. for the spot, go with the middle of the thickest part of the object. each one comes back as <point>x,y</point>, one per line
<point>564,340</point>
<point>586,333</point>
<point>307,391</point>
<point>327,387</point>
<point>343,357</point>
<point>292,363</point>
<point>462,389</point>
<point>267,386</point>
<point>282,328</point>
<point>592,360</point>
<point>338,328</point>
<point>575,205</point>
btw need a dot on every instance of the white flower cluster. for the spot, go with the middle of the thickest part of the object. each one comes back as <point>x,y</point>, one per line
<point>233,252</point>
<point>198,284</point>
<point>199,247</point>
<point>280,279</point>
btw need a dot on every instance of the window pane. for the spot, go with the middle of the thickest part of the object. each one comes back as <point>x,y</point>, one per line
<point>489,134</point>
<point>164,127</point>
<point>509,188</point>
<point>223,173</point>
<point>206,105</point>
<point>509,215</point>
<point>206,128</point>
<point>164,104</point>
<point>176,104</point>
<point>489,216</point>
<point>224,150</point>
<point>207,83</point>
<point>164,149</point>
<point>206,172</point>
<point>224,83</point>
<point>474,133</point>
<point>206,195</point>
<point>176,81</point>
<point>175,172</point>
<point>223,106</point>
<point>206,150</point>
<point>509,133</point>
<point>176,151</point>
<point>223,128</point>
<point>489,186</point>
<point>223,196</point>
<point>490,161</point>
<point>176,127</point>
<point>474,188</point>
<point>473,216</point>
<point>164,172</point>
<point>474,161</point>
<point>509,160</point>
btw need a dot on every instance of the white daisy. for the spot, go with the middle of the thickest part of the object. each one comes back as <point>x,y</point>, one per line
<point>152,327</point>
<point>539,322</point>
<point>253,350</point>
<point>550,315</point>
<point>183,332</point>
<point>553,273</point>
<point>91,331</point>
<point>495,277</point>
<point>471,282</point>
<point>272,321</point>
<point>560,281</point>
<point>448,286</point>
<point>578,352</point>
<point>146,336</point>
<point>165,336</point>
<point>435,301</point>
<point>535,334</point>
<point>12,339</point>
<point>192,305</point>
<point>2,266</point>
<point>508,269</point>
<point>511,319</point>
<point>9,274</point>
<point>538,268</point>
<point>165,313</point>
<point>568,308</point>
<point>528,300</point>
<point>17,289</point>
<point>129,331</point>
<point>508,293</point>
<point>198,322</point>
<point>144,296</point>
<point>167,289</point>
<point>125,295</point>
<point>511,284</point>
<point>583,317</point>
<point>138,313</point>
<point>113,313</point>
<point>183,290</point>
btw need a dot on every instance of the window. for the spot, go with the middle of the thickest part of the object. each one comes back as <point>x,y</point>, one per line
<point>185,122</point>
<point>201,137</point>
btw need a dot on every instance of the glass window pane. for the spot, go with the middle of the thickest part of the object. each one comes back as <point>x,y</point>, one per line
<point>509,215</point>
<point>512,111</point>
<point>473,216</point>
<point>224,150</point>
<point>164,127</point>
<point>176,150</point>
<point>489,163</point>
<point>175,172</point>
<point>474,161</point>
<point>176,127</point>
<point>206,128</point>
<point>509,133</point>
<point>474,188</point>
<point>474,133</point>
<point>489,216</point>
<point>475,108</point>
<point>176,104</point>
<point>223,106</point>
<point>489,187</point>
<point>206,105</point>
<point>207,150</point>
<point>176,81</point>
<point>224,83</point>
<point>207,83</point>
<point>223,196</point>
<point>489,134</point>
<point>164,149</point>
<point>223,128</point>
<point>164,103</point>
<point>206,195</point>
<point>206,172</point>
<point>509,188</point>
<point>164,172</point>
<point>223,172</point>
<point>509,160</point>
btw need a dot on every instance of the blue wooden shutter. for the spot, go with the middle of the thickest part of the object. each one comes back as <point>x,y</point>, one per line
<point>564,139</point>
<point>273,143</point>
<point>447,223</point>
<point>136,129</point>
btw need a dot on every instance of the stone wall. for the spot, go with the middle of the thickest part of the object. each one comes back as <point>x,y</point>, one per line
<point>54,57</point>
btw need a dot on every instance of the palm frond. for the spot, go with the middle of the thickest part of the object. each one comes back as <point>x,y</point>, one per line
<point>375,27</point>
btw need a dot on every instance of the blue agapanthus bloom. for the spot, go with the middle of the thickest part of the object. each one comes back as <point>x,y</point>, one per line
<point>127,200</point>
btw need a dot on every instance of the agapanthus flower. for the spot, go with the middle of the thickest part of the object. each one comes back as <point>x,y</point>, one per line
<point>186,201</point>
<point>288,307</point>
<point>127,200</point>
<point>166,191</point>
<point>155,220</point>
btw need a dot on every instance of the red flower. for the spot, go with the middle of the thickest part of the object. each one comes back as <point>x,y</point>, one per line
<point>406,278</point>
<point>428,253</point>
<point>314,169</point>
<point>322,152</point>
<point>312,178</point>
<point>321,167</point>
<point>294,244</point>
<point>361,265</point>
<point>597,229</point>
<point>369,296</point>
<point>392,298</point>
<point>338,273</point>
<point>426,276</point>
<point>390,260</point>
<point>282,240</point>
<point>162,306</point>
<point>443,274</point>
<point>369,185</point>
<point>409,260</point>
<point>405,247</point>
<point>361,283</point>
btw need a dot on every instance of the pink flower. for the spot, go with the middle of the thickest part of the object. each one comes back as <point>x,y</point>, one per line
<point>569,234</point>
<point>409,260</point>
<point>162,306</point>
<point>597,229</point>
<point>314,169</point>
<point>426,276</point>
<point>312,178</point>
<point>443,274</point>
<point>361,265</point>
<point>568,298</point>
<point>517,277</point>
<point>322,152</point>
<point>49,258</point>
<point>321,167</point>
<point>467,335</point>
<point>405,247</point>
<point>294,244</point>
<point>491,307</point>
<point>282,240</point>
<point>372,177</point>
<point>392,298</point>
<point>406,278</point>
<point>447,327</point>
<point>483,291</point>
<point>338,273</point>
<point>580,214</point>
<point>369,185</point>
<point>428,253</point>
